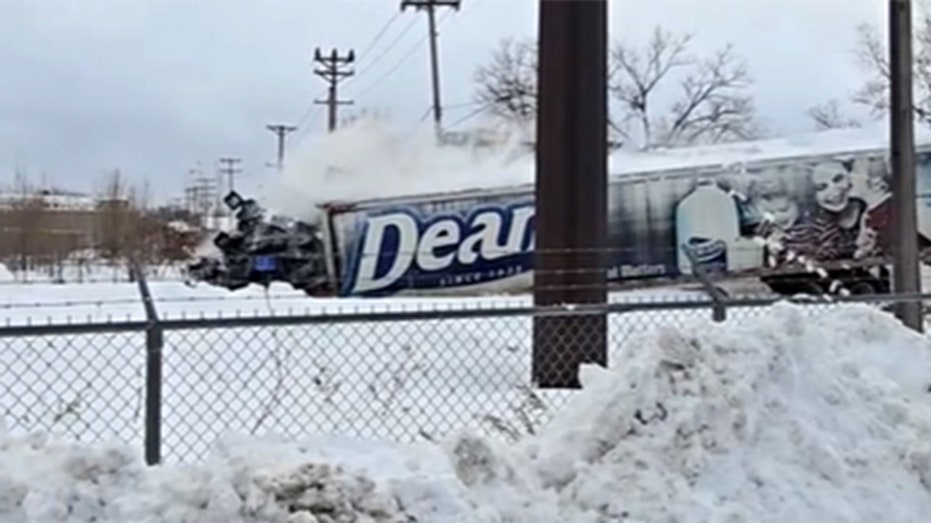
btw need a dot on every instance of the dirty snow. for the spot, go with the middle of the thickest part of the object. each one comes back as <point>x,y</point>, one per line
<point>789,416</point>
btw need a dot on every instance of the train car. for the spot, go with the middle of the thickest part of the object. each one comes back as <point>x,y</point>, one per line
<point>807,214</point>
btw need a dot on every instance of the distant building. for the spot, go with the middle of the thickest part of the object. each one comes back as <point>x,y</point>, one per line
<point>50,199</point>
<point>47,226</point>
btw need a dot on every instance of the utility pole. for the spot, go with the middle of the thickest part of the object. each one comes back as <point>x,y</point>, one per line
<point>230,171</point>
<point>906,277</point>
<point>430,7</point>
<point>201,194</point>
<point>571,198</point>
<point>281,131</point>
<point>333,69</point>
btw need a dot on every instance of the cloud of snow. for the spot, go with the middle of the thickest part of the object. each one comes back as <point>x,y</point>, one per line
<point>795,415</point>
<point>374,158</point>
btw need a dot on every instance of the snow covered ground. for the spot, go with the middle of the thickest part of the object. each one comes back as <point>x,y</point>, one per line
<point>398,381</point>
<point>77,271</point>
<point>792,415</point>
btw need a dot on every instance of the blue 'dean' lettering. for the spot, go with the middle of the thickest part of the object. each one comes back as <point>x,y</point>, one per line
<point>400,249</point>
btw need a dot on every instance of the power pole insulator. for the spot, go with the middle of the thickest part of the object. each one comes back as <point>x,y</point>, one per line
<point>333,69</point>
<point>430,6</point>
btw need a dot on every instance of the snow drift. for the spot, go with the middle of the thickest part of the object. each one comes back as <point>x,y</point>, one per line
<point>796,415</point>
<point>786,417</point>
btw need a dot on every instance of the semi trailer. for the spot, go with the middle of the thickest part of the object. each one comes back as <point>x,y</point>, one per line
<point>808,215</point>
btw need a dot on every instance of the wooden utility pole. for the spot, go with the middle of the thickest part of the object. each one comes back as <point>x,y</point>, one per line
<point>429,6</point>
<point>281,131</point>
<point>333,69</point>
<point>230,171</point>
<point>906,269</point>
<point>570,259</point>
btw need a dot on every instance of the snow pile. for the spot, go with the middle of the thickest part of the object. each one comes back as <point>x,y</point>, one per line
<point>255,482</point>
<point>782,418</point>
<point>6,276</point>
<point>791,416</point>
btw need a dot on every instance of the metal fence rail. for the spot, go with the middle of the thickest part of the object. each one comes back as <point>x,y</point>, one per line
<point>173,387</point>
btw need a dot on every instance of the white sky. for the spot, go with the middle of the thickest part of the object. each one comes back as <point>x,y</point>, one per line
<point>154,87</point>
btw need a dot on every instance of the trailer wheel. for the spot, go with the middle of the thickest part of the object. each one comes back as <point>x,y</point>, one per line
<point>862,288</point>
<point>863,282</point>
<point>794,284</point>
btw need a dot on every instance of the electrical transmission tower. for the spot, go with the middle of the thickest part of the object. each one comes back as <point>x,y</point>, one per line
<point>430,6</point>
<point>333,69</point>
<point>281,131</point>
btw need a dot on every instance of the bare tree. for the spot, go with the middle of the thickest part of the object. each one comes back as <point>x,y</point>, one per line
<point>507,85</point>
<point>828,115</point>
<point>25,217</point>
<point>872,56</point>
<point>713,104</point>
<point>113,218</point>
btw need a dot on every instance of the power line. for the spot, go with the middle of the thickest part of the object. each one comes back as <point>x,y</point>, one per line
<point>370,65</point>
<point>425,114</point>
<point>471,115</point>
<point>461,105</point>
<point>430,7</point>
<point>312,110</point>
<point>378,35</point>
<point>384,51</point>
<point>368,88</point>
<point>334,69</point>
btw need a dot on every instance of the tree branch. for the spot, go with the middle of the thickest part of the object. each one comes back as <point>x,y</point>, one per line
<point>712,106</point>
<point>829,116</point>
<point>508,84</point>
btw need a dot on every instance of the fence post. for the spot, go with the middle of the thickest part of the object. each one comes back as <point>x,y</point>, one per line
<point>718,305</point>
<point>154,340</point>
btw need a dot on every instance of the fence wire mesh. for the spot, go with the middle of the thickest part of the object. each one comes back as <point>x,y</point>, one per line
<point>85,387</point>
<point>403,380</point>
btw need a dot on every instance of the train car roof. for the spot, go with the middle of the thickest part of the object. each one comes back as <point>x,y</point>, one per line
<point>687,161</point>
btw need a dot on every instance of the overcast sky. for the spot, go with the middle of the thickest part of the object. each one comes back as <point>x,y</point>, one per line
<point>156,86</point>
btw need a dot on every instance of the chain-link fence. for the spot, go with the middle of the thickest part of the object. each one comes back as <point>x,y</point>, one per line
<point>176,386</point>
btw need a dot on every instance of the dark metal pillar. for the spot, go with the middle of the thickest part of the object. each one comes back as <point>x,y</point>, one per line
<point>571,188</point>
<point>906,273</point>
